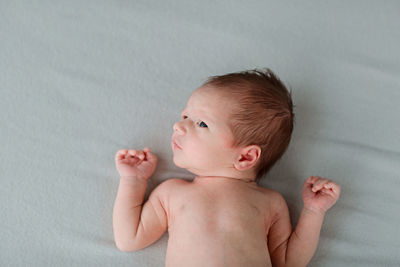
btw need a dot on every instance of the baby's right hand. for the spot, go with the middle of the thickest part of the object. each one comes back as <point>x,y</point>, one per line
<point>135,163</point>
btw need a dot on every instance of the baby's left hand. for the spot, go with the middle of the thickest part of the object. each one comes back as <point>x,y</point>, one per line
<point>319,194</point>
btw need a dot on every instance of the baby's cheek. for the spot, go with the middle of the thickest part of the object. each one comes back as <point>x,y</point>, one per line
<point>203,153</point>
<point>227,142</point>
<point>194,151</point>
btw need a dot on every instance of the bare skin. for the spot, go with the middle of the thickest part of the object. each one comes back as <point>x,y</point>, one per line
<point>222,217</point>
<point>223,220</point>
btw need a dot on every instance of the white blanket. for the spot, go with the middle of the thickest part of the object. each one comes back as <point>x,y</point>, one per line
<point>81,79</point>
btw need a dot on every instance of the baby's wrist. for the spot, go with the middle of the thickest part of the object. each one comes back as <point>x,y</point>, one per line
<point>314,211</point>
<point>133,178</point>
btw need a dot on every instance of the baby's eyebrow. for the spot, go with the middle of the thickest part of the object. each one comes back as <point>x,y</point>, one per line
<point>208,119</point>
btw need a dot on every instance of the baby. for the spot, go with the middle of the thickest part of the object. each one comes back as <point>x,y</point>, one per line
<point>233,129</point>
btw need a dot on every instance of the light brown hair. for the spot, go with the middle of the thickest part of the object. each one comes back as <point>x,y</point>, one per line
<point>262,114</point>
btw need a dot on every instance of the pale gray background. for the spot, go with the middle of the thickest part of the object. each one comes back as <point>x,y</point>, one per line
<point>81,79</point>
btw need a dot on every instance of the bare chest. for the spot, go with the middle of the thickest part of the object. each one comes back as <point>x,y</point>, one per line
<point>232,223</point>
<point>220,207</point>
<point>217,213</point>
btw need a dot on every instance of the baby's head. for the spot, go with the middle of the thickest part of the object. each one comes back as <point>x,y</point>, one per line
<point>235,125</point>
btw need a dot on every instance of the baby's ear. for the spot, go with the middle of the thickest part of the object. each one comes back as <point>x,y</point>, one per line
<point>248,157</point>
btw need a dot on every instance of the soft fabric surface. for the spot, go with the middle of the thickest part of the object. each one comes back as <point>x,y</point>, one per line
<point>81,79</point>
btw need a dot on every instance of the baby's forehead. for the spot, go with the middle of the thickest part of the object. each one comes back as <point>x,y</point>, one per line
<point>211,96</point>
<point>211,103</point>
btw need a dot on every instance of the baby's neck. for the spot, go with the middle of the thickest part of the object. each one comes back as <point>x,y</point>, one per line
<point>223,179</point>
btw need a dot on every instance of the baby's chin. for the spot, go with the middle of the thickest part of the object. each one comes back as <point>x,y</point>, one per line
<point>178,163</point>
<point>182,165</point>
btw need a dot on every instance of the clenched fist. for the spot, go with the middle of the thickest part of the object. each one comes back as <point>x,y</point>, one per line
<point>135,163</point>
<point>319,194</point>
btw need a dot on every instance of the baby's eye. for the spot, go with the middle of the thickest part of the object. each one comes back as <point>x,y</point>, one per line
<point>202,123</point>
<point>184,117</point>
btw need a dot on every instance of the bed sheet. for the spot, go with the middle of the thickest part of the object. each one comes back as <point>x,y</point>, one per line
<point>81,79</point>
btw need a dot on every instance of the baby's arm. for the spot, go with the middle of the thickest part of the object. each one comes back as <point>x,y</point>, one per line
<point>137,225</point>
<point>296,248</point>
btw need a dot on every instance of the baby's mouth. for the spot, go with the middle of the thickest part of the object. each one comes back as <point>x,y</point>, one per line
<point>175,144</point>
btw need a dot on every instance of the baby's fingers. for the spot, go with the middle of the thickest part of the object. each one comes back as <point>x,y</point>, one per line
<point>150,156</point>
<point>333,187</point>
<point>327,191</point>
<point>136,153</point>
<point>319,183</point>
<point>120,154</point>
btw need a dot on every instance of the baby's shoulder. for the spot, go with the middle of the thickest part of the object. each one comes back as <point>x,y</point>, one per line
<point>167,188</point>
<point>172,185</point>
<point>274,197</point>
<point>268,192</point>
<point>175,181</point>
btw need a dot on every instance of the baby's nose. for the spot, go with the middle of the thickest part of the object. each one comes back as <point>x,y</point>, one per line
<point>178,127</point>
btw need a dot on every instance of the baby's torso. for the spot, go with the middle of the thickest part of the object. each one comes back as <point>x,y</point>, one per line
<point>218,224</point>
